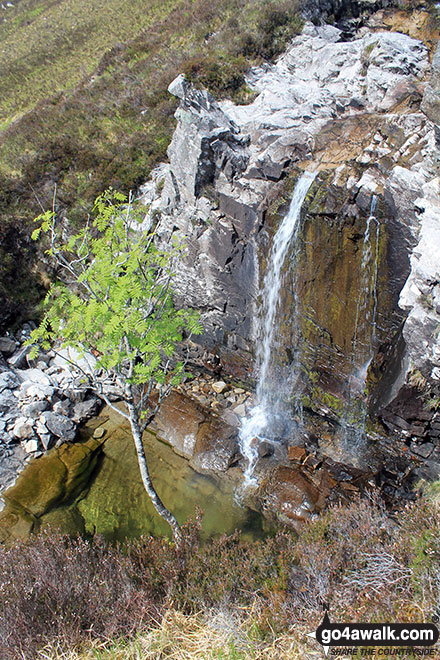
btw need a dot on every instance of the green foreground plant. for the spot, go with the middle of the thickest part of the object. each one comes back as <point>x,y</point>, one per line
<point>114,308</point>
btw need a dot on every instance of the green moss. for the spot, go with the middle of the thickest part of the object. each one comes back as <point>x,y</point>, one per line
<point>318,199</point>
<point>306,401</point>
<point>43,486</point>
<point>320,397</point>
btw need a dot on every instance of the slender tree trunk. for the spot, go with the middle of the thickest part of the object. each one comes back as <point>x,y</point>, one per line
<point>145,474</point>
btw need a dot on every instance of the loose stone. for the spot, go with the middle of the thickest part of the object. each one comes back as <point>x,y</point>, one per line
<point>219,387</point>
<point>31,446</point>
<point>7,345</point>
<point>240,410</point>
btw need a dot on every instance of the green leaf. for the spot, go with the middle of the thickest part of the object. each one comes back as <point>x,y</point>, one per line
<point>116,303</point>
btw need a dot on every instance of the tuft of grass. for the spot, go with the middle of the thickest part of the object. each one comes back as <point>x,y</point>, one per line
<point>200,636</point>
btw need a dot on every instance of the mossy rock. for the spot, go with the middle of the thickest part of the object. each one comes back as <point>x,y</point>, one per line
<point>80,460</point>
<point>68,520</point>
<point>55,477</point>
<point>40,486</point>
<point>15,524</point>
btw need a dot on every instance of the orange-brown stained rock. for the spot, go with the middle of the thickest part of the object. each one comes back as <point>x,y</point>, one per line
<point>417,24</point>
<point>297,454</point>
<point>326,484</point>
<point>178,422</point>
<point>192,430</point>
<point>291,496</point>
<point>347,486</point>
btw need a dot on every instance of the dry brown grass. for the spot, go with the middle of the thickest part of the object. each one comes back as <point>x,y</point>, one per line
<point>200,636</point>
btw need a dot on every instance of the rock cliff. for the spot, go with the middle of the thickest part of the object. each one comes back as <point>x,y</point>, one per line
<point>362,111</point>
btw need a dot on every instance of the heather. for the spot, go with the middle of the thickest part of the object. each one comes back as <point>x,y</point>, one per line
<point>80,599</point>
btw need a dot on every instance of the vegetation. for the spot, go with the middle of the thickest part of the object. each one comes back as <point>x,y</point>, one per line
<point>224,599</point>
<point>97,118</point>
<point>429,392</point>
<point>114,306</point>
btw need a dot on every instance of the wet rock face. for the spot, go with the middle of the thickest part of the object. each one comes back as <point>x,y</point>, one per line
<point>293,486</point>
<point>320,103</point>
<point>207,441</point>
<point>350,107</point>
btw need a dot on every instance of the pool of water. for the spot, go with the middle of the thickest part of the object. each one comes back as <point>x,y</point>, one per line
<point>113,502</point>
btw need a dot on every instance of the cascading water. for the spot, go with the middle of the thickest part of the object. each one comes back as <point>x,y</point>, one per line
<point>257,426</point>
<point>356,411</point>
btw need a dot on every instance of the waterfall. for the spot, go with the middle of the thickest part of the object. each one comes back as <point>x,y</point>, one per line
<point>367,288</point>
<point>257,425</point>
<point>355,416</point>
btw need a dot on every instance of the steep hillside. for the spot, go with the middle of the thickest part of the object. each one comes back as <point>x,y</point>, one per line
<point>84,102</point>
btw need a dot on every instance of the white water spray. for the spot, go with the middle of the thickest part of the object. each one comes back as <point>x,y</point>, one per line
<point>255,427</point>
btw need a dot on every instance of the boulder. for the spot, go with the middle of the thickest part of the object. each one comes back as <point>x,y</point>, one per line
<point>23,428</point>
<point>34,376</point>
<point>179,421</point>
<point>289,494</point>
<point>296,454</point>
<point>8,380</point>
<point>195,433</point>
<point>68,358</point>
<point>85,409</point>
<point>19,359</point>
<point>60,426</point>
<point>62,407</point>
<point>34,408</point>
<point>75,395</point>
<point>45,439</point>
<point>7,401</point>
<point>7,345</point>
<point>218,459</point>
<point>34,391</point>
<point>230,418</point>
<point>31,446</point>
<point>240,410</point>
<point>265,449</point>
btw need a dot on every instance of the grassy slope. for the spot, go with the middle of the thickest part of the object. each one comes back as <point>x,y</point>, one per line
<point>85,132</point>
<point>48,46</point>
